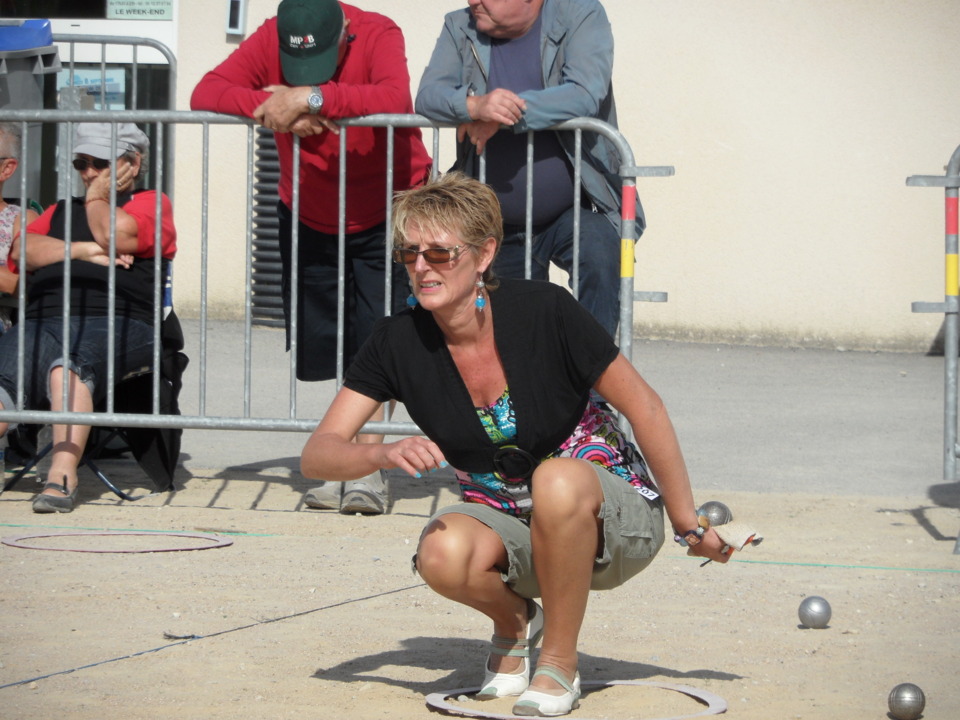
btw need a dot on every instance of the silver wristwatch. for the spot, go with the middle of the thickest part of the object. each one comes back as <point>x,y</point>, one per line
<point>314,100</point>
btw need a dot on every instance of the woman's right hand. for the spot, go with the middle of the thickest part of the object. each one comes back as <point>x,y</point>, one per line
<point>92,252</point>
<point>414,455</point>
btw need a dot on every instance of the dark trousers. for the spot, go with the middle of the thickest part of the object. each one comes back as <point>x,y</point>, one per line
<point>364,277</point>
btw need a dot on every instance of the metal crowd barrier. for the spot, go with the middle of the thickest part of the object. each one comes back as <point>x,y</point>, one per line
<point>106,45</point>
<point>202,355</point>
<point>71,41</point>
<point>950,307</point>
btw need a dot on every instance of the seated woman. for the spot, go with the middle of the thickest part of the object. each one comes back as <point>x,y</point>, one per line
<point>499,376</point>
<point>89,328</point>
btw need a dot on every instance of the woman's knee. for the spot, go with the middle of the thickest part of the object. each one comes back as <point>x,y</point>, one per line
<point>454,547</point>
<point>443,551</point>
<point>567,485</point>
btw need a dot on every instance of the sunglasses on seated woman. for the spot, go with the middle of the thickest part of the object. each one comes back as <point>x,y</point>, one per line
<point>82,164</point>
<point>433,255</point>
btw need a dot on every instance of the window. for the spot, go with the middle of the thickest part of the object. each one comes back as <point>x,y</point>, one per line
<point>51,9</point>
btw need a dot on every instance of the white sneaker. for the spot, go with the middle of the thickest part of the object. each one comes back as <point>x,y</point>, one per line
<point>324,497</point>
<point>369,495</point>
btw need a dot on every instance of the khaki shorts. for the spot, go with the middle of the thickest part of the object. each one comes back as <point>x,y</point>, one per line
<point>633,533</point>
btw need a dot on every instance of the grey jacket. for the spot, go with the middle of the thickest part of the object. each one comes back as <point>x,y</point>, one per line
<point>577,62</point>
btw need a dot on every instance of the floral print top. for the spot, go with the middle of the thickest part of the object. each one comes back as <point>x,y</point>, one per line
<point>597,438</point>
<point>8,216</point>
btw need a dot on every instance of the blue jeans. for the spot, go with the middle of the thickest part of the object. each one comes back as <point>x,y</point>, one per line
<point>133,349</point>
<point>599,268</point>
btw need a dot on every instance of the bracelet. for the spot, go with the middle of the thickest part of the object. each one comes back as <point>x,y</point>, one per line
<point>96,200</point>
<point>693,537</point>
<point>690,537</point>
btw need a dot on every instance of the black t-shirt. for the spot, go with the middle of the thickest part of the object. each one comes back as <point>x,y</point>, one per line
<point>552,350</point>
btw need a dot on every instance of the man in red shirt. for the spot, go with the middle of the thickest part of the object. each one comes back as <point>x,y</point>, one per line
<point>314,63</point>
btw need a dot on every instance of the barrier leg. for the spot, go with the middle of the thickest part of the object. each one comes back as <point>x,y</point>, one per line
<point>951,344</point>
<point>950,308</point>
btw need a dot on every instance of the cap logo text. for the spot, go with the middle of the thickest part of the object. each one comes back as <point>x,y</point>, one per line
<point>302,41</point>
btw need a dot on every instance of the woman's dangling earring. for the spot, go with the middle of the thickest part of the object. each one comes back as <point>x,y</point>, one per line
<point>412,300</point>
<point>481,301</point>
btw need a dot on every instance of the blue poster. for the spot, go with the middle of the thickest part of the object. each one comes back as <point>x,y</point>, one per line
<point>97,90</point>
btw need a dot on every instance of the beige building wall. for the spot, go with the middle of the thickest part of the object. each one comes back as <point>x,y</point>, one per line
<point>792,127</point>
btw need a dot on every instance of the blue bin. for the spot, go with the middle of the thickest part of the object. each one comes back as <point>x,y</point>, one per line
<point>25,34</point>
<point>28,58</point>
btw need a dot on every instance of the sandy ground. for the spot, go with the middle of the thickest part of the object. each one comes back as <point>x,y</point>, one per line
<point>311,614</point>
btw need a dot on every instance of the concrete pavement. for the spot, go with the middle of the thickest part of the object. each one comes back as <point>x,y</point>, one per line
<point>749,418</point>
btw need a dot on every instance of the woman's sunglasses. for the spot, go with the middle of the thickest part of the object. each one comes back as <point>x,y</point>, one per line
<point>434,255</point>
<point>82,164</point>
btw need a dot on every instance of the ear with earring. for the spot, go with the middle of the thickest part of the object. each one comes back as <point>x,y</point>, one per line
<point>481,301</point>
<point>412,300</point>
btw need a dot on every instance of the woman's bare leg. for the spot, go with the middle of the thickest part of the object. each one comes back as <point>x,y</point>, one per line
<point>460,558</point>
<point>566,536</point>
<point>69,441</point>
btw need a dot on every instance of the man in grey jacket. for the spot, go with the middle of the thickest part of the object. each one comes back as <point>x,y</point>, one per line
<point>519,65</point>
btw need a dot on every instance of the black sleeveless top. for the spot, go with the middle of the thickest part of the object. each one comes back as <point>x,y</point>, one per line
<point>89,282</point>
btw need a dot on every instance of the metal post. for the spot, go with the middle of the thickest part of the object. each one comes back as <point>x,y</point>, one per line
<point>949,307</point>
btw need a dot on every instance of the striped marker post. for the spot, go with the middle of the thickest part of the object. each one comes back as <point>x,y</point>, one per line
<point>949,307</point>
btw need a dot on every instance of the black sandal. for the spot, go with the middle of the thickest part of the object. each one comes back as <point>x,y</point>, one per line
<point>50,503</point>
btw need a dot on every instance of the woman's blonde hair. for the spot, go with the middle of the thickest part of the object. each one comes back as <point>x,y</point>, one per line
<point>452,203</point>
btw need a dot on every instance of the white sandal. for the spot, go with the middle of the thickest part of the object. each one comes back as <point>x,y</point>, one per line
<point>537,703</point>
<point>510,684</point>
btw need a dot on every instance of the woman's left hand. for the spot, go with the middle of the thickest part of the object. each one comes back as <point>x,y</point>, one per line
<point>126,175</point>
<point>99,187</point>
<point>711,547</point>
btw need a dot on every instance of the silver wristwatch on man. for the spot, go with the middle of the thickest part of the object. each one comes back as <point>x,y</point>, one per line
<point>314,100</point>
